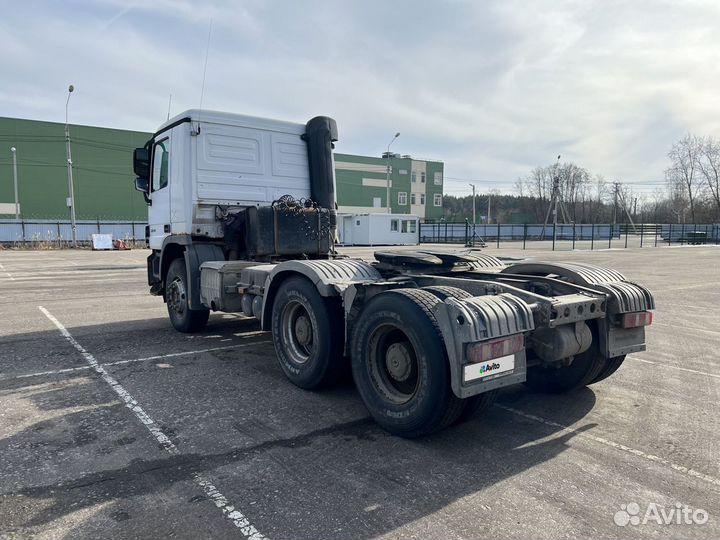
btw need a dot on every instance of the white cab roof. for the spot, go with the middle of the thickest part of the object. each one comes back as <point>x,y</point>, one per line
<point>231,119</point>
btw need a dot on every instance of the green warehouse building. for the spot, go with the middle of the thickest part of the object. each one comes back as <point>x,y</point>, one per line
<point>102,176</point>
<point>102,171</point>
<point>416,186</point>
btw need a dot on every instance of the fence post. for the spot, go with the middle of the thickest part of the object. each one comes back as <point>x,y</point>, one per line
<point>58,235</point>
<point>612,231</point>
<point>22,227</point>
<point>498,236</point>
<point>524,235</point>
<point>573,236</point>
<point>642,233</point>
<point>626,234</point>
<point>669,234</point>
<point>592,236</point>
<point>656,233</point>
<point>554,236</point>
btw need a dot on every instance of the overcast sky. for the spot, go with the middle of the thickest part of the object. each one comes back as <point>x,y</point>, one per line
<point>492,88</point>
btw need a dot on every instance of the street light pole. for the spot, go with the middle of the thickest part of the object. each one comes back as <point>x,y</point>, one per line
<point>71,189</point>
<point>387,172</point>
<point>17,203</point>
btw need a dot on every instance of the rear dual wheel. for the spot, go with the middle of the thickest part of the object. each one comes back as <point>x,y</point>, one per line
<point>400,365</point>
<point>401,368</point>
<point>308,335</point>
<point>474,405</point>
<point>586,368</point>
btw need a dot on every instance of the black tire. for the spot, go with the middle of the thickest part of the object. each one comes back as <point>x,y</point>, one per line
<point>583,370</point>
<point>308,335</point>
<point>183,318</point>
<point>400,364</point>
<point>610,367</point>
<point>444,291</point>
<point>475,405</point>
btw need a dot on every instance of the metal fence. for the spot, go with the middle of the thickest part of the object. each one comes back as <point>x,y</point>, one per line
<point>58,233</point>
<point>592,235</point>
<point>51,233</point>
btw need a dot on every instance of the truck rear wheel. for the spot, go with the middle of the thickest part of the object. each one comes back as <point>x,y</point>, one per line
<point>182,317</point>
<point>611,366</point>
<point>308,334</point>
<point>582,371</point>
<point>445,291</point>
<point>473,405</point>
<point>400,364</point>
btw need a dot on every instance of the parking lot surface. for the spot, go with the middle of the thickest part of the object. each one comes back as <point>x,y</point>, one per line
<point>113,425</point>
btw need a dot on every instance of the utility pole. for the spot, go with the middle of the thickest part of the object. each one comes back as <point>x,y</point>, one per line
<point>387,172</point>
<point>71,189</point>
<point>553,202</point>
<point>17,203</point>
<point>473,200</point>
<point>615,201</point>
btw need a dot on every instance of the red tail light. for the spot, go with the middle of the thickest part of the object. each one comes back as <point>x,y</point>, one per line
<point>636,319</point>
<point>487,350</point>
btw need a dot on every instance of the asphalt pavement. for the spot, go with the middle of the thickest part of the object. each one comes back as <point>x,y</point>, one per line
<point>113,425</point>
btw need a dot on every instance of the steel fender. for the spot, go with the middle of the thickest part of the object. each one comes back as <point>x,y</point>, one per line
<point>482,318</point>
<point>195,255</point>
<point>623,297</point>
<point>330,277</point>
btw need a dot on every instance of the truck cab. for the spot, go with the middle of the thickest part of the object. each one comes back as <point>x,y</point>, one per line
<point>207,176</point>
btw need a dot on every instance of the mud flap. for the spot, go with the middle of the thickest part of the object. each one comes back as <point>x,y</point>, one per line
<point>477,319</point>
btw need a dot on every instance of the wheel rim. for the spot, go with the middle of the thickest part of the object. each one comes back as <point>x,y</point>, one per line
<point>394,369</point>
<point>298,332</point>
<point>176,296</point>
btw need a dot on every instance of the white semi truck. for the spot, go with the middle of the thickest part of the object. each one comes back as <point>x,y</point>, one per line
<point>242,218</point>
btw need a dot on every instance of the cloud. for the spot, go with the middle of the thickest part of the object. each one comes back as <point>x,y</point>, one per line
<point>492,88</point>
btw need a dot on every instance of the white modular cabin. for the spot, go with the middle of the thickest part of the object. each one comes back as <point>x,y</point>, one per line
<point>378,229</point>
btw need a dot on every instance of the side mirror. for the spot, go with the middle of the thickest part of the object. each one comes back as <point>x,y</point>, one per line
<point>141,184</point>
<point>141,163</point>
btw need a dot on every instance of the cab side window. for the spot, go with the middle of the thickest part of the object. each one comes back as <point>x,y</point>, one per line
<point>161,159</point>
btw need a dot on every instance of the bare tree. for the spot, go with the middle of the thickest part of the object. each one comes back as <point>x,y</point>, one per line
<point>683,171</point>
<point>709,165</point>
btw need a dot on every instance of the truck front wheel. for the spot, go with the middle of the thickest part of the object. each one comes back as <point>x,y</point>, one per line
<point>400,364</point>
<point>183,318</point>
<point>308,334</point>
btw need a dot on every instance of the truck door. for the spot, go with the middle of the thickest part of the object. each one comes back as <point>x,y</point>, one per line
<point>159,214</point>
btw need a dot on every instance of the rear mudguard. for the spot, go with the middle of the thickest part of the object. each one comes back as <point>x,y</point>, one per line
<point>482,318</point>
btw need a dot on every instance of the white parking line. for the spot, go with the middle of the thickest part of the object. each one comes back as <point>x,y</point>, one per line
<point>2,268</point>
<point>131,360</point>
<point>676,368</point>
<point>618,446</point>
<point>229,511</point>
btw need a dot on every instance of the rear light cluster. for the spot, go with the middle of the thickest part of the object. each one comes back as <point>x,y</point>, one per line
<point>488,350</point>
<point>636,319</point>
